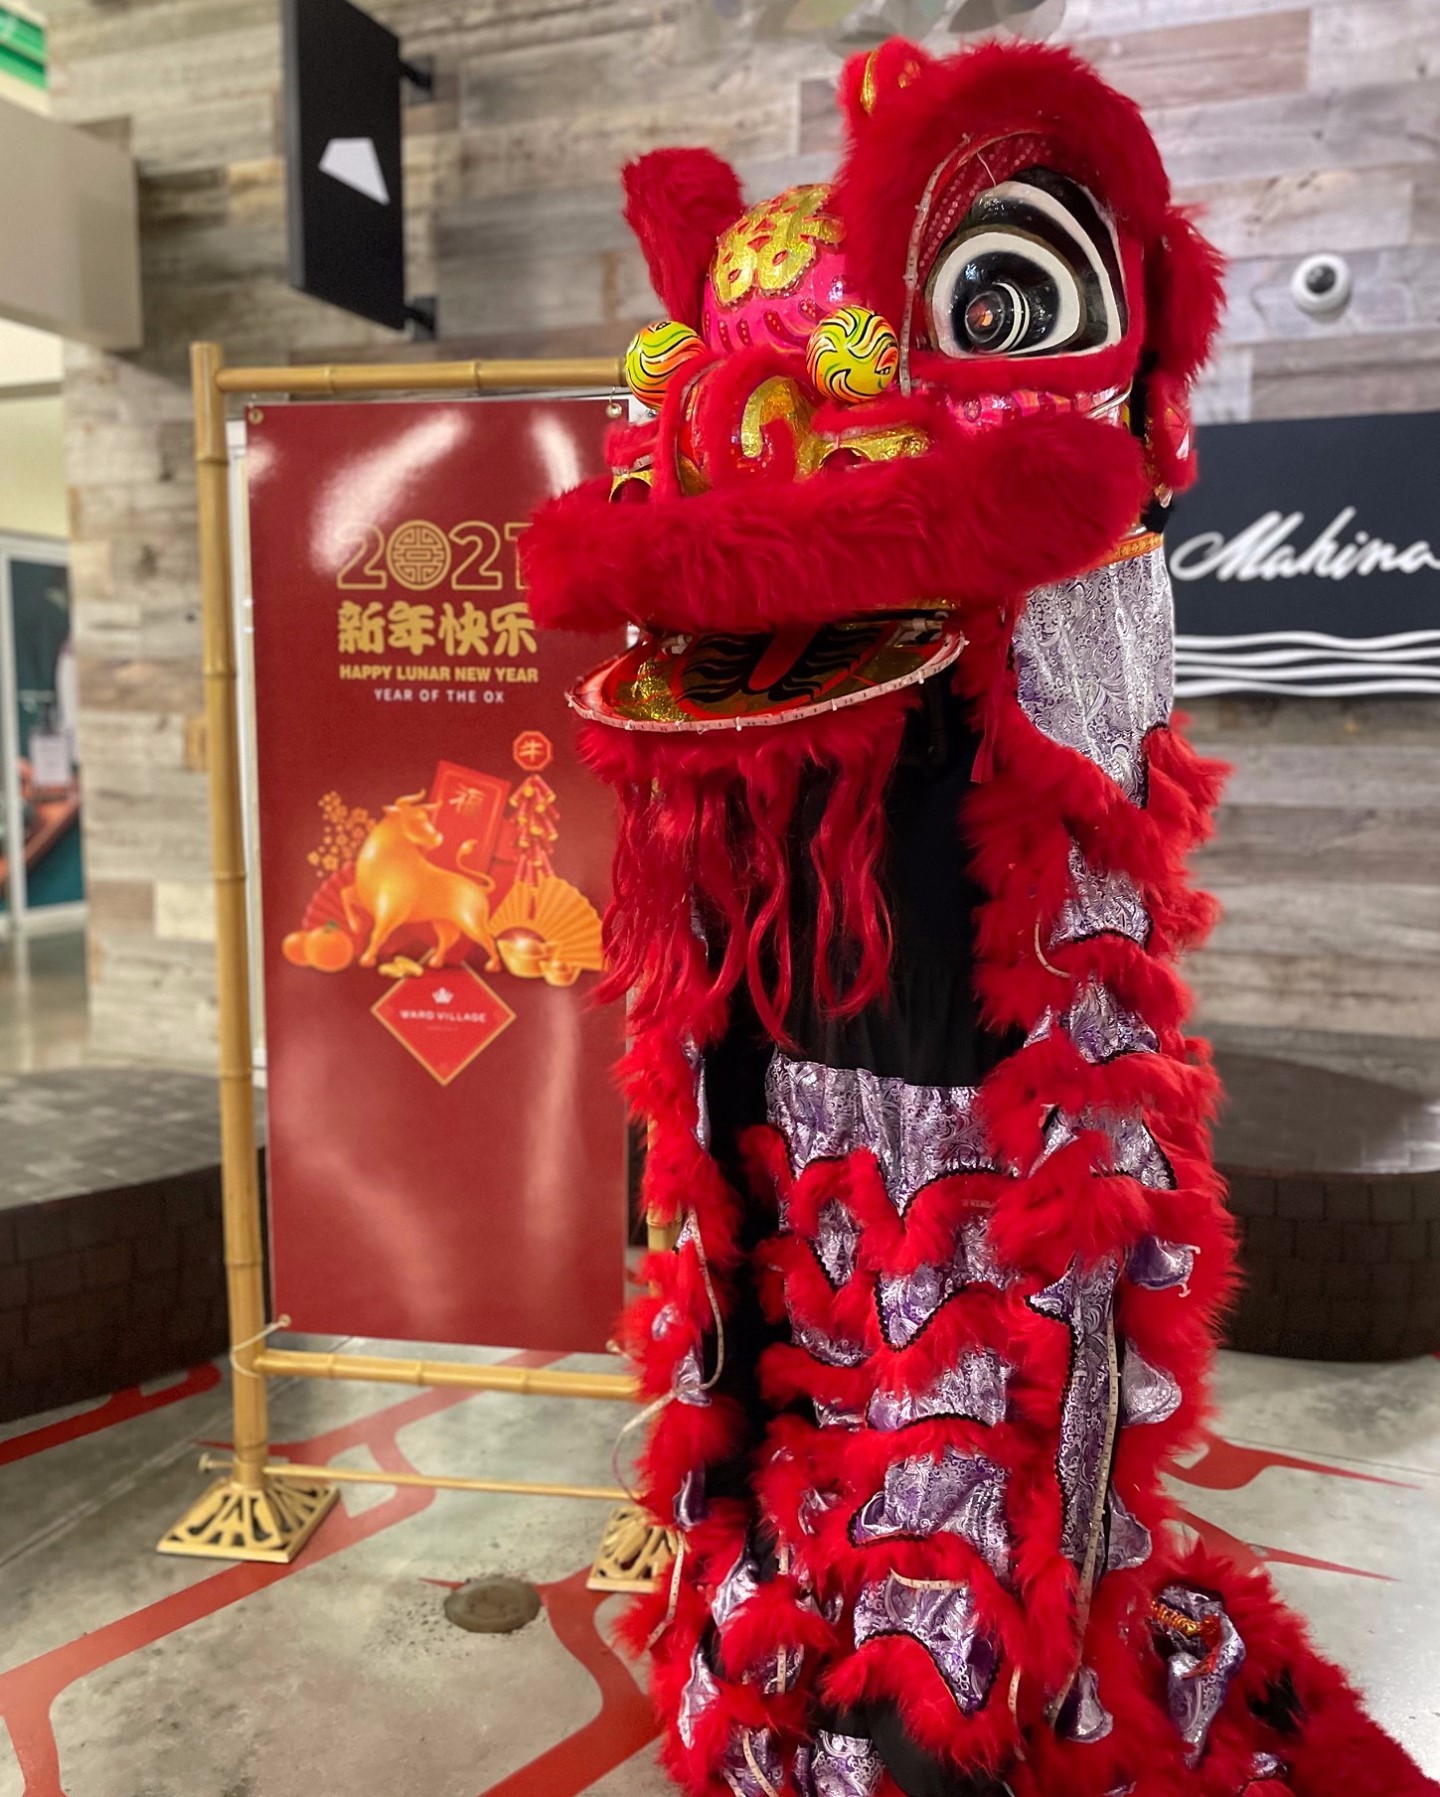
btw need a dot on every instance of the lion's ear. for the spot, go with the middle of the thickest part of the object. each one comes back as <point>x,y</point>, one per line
<point>870,80</point>
<point>677,202</point>
<point>1185,296</point>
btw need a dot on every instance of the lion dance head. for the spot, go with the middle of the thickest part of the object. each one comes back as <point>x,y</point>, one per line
<point>880,413</point>
<point>960,369</point>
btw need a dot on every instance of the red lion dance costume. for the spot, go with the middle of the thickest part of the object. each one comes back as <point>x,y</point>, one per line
<point>899,895</point>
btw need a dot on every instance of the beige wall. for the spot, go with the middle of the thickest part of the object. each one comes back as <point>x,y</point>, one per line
<point>1300,127</point>
<point>32,465</point>
<point>32,426</point>
<point>68,221</point>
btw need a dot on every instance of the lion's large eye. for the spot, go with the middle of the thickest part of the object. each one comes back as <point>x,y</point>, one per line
<point>1031,270</point>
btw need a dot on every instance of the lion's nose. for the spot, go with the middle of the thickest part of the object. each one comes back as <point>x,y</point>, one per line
<point>774,437</point>
<point>763,431</point>
<point>738,417</point>
<point>775,432</point>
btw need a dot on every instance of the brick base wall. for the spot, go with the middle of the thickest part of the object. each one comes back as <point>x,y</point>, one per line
<point>109,1289</point>
<point>1339,1266</point>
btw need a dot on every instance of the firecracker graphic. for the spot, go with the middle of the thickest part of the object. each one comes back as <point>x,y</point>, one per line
<point>536,830</point>
<point>545,928</point>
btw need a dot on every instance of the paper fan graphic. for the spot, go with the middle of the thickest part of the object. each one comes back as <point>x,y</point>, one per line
<point>325,904</point>
<point>565,921</point>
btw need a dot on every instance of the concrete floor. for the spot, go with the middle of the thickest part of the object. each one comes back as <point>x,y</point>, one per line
<point>123,1674</point>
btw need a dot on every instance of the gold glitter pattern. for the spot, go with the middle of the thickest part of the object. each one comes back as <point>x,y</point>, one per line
<point>1130,547</point>
<point>886,445</point>
<point>780,401</point>
<point>774,245</point>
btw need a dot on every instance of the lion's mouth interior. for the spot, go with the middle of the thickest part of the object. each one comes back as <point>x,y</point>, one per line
<point>731,680</point>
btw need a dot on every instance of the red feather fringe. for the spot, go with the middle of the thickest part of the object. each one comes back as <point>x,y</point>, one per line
<point>705,820</point>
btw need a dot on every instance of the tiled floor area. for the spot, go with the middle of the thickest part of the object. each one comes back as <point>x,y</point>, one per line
<point>123,1674</point>
<point>94,1129</point>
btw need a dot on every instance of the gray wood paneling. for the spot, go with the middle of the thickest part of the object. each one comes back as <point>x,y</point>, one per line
<point>1309,845</point>
<point>1361,918</point>
<point>1219,59</point>
<point>1346,374</point>
<point>1086,18</point>
<point>1366,41</point>
<point>1341,993</point>
<point>1327,862</point>
<point>1297,127</point>
<point>1294,134</point>
<point>1342,209</point>
<point>1374,776</point>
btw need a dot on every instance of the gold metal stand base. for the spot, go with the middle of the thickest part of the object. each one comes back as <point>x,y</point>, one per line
<point>235,1522</point>
<point>634,1552</point>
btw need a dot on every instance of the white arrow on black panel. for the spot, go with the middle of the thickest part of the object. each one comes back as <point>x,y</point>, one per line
<point>353,160</point>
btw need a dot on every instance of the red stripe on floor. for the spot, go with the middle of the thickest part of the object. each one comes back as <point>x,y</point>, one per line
<point>120,1408</point>
<point>625,1723</point>
<point>1254,1556</point>
<point>1226,1466</point>
<point>28,1692</point>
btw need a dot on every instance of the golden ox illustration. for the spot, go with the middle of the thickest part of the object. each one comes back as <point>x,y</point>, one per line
<point>395,886</point>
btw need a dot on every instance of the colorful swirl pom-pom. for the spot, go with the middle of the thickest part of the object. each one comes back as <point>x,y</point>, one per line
<point>853,354</point>
<point>656,355</point>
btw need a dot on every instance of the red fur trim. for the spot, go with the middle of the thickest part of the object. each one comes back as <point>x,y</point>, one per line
<point>680,1178</point>
<point>980,518</point>
<point>1337,1750</point>
<point>897,1667</point>
<point>626,444</point>
<point>678,202</point>
<point>781,1614</point>
<point>890,1242</point>
<point>878,79</point>
<point>1186,299</point>
<point>684,1438</point>
<point>1086,372</point>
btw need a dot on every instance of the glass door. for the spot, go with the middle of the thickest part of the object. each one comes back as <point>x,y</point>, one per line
<point>41,866</point>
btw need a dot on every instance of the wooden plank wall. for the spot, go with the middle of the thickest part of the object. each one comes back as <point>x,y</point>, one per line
<point>1298,127</point>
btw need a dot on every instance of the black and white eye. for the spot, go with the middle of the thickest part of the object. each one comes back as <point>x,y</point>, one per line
<point>1033,269</point>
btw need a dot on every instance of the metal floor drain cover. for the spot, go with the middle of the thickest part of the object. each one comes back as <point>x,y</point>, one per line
<point>493,1606</point>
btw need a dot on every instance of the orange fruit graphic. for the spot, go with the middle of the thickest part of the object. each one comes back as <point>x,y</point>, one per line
<point>329,949</point>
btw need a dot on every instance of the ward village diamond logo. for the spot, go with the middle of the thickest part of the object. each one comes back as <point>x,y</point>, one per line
<point>444,1019</point>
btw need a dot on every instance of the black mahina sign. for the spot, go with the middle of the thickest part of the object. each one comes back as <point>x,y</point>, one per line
<point>1307,559</point>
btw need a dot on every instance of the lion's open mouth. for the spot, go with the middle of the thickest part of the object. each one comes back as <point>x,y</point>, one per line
<point>726,680</point>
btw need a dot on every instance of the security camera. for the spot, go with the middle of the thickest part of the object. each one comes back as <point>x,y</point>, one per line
<point>1321,285</point>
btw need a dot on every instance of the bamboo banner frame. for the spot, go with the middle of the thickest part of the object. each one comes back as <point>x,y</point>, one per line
<point>259,1510</point>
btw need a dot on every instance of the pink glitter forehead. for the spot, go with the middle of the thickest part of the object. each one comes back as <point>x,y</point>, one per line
<point>776,273</point>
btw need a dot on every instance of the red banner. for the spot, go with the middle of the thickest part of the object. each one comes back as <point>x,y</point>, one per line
<point>446,1149</point>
